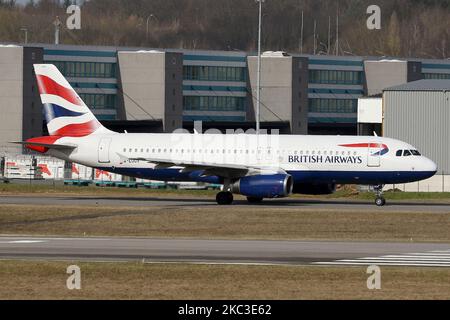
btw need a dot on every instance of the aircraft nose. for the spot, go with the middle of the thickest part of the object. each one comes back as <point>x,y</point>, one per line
<point>430,166</point>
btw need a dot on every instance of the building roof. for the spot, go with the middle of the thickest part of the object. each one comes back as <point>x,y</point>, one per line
<point>423,85</point>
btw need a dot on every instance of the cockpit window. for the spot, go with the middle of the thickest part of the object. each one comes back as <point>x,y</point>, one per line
<point>407,153</point>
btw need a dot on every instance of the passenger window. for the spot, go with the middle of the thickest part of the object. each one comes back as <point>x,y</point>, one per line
<point>399,153</point>
<point>407,153</point>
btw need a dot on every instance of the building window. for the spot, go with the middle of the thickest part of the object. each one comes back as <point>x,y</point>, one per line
<point>333,105</point>
<point>212,73</point>
<point>86,69</point>
<point>200,103</point>
<point>99,101</point>
<point>336,77</point>
<point>438,76</point>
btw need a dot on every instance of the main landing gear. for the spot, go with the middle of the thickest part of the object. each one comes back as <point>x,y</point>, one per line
<point>224,198</point>
<point>379,200</point>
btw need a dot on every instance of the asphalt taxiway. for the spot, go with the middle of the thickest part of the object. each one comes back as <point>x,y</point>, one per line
<point>225,251</point>
<point>111,201</point>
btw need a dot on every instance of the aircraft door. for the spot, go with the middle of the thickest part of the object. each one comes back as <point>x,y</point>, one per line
<point>103,150</point>
<point>374,155</point>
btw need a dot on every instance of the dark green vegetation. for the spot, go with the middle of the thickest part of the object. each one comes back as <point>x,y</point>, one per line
<point>410,28</point>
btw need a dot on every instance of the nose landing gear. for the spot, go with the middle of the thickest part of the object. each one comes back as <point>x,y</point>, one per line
<point>380,201</point>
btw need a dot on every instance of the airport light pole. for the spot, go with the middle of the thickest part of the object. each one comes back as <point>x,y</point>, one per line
<point>25,30</point>
<point>57,23</point>
<point>258,81</point>
<point>148,20</point>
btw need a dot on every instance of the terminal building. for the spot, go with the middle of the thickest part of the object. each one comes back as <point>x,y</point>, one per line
<point>144,90</point>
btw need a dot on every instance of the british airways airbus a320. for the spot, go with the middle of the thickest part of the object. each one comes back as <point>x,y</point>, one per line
<point>256,166</point>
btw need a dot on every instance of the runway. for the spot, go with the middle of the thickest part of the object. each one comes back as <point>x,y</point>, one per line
<point>226,251</point>
<point>344,204</point>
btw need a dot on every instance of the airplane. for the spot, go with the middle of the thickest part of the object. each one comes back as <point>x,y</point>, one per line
<point>254,165</point>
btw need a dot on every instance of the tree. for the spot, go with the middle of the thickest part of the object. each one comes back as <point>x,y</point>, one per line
<point>393,36</point>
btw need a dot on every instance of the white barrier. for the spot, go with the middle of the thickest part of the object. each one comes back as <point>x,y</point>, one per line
<point>438,183</point>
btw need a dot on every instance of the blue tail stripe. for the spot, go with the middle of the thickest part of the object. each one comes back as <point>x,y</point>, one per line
<point>52,111</point>
<point>381,153</point>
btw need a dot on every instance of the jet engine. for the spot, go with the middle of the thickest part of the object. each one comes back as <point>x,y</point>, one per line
<point>264,186</point>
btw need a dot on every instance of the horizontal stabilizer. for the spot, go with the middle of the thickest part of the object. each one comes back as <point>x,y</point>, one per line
<point>47,146</point>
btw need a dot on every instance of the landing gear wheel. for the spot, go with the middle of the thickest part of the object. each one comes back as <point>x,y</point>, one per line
<point>224,198</point>
<point>254,199</point>
<point>380,201</point>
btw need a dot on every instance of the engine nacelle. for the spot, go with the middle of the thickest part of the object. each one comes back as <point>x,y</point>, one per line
<point>264,186</point>
<point>314,189</point>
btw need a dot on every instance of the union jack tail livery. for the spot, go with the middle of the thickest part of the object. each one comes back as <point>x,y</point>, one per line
<point>65,113</point>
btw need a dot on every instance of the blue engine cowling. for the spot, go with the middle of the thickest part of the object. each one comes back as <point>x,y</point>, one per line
<point>264,186</point>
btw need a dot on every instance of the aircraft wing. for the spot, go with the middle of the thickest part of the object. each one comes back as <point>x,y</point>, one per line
<point>210,168</point>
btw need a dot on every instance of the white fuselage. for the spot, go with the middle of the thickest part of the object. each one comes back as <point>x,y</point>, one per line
<point>309,159</point>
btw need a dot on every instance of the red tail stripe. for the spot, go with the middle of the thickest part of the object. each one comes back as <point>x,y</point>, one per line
<point>78,129</point>
<point>48,86</point>
<point>364,145</point>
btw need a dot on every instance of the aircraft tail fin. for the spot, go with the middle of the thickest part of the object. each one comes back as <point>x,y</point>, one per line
<point>65,113</point>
